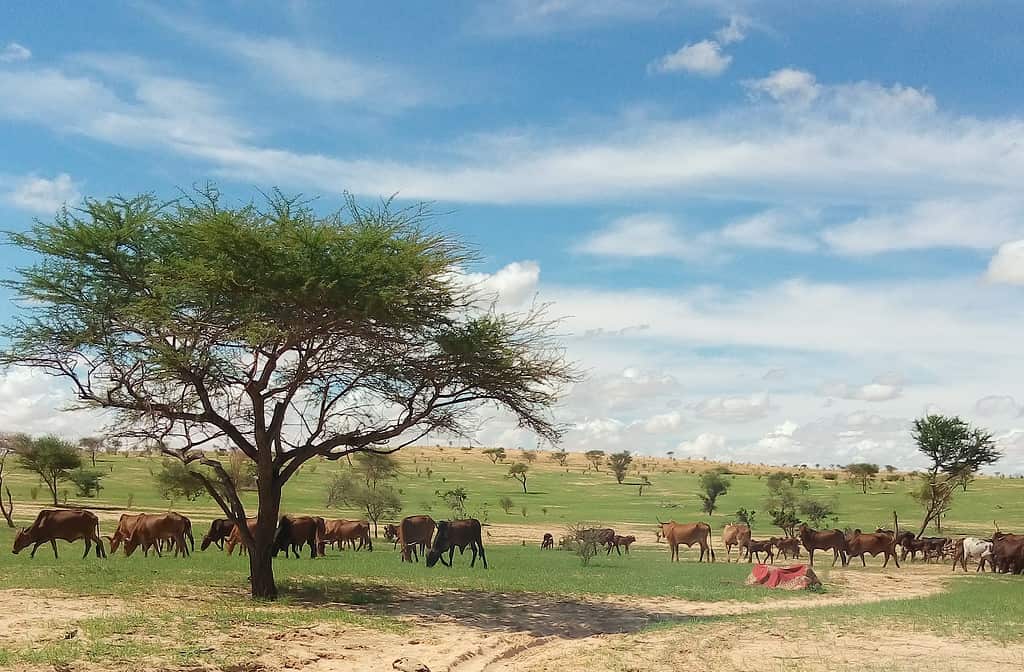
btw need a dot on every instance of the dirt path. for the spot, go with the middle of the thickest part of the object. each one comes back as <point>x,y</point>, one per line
<point>473,631</point>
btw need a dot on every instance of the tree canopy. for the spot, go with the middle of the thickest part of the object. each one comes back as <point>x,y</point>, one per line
<point>51,457</point>
<point>862,474</point>
<point>619,464</point>
<point>286,333</point>
<point>713,484</point>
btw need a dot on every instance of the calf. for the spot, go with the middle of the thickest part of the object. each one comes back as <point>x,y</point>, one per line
<point>547,542</point>
<point>755,547</point>
<point>789,547</point>
<point>50,525</point>
<point>624,542</point>
<point>859,544</point>
<point>457,534</point>
<point>737,534</point>
<point>823,540</point>
<point>972,548</point>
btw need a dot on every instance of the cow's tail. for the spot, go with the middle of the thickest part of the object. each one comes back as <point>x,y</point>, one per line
<point>321,534</point>
<point>283,534</point>
<point>711,548</point>
<point>188,534</point>
<point>895,531</point>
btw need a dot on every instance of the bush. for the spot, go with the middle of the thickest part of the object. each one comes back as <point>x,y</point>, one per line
<point>506,504</point>
<point>87,482</point>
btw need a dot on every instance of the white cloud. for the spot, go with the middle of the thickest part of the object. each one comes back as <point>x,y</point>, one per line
<point>1007,266</point>
<point>787,85</point>
<point>736,31</point>
<point>32,402</point>
<point>733,409</point>
<point>42,195</point>
<point>542,16</point>
<point>703,58</point>
<point>997,405</point>
<point>877,390</point>
<point>13,52</point>
<point>663,423</point>
<point>642,235</point>
<point>511,285</point>
<point>770,229</point>
<point>707,444</point>
<point>946,223</point>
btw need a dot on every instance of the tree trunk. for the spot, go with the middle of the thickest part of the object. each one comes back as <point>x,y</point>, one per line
<point>7,510</point>
<point>261,555</point>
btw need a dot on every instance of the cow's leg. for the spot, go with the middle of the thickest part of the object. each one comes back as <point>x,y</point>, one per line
<point>863,561</point>
<point>810,554</point>
<point>835,557</point>
<point>53,543</point>
<point>88,547</point>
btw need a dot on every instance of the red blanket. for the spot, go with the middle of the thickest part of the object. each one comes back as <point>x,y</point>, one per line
<point>796,577</point>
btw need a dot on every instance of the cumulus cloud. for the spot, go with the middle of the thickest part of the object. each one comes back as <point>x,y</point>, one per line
<point>733,409</point>
<point>511,285</point>
<point>786,85</point>
<point>32,402</point>
<point>707,444</point>
<point>13,52</point>
<point>641,235</point>
<point>1007,266</point>
<point>700,58</point>
<point>881,389</point>
<point>735,31</point>
<point>42,195</point>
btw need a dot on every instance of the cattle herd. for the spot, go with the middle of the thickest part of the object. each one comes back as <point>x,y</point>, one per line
<point>421,535</point>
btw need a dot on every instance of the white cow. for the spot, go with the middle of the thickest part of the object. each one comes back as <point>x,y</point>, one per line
<point>972,548</point>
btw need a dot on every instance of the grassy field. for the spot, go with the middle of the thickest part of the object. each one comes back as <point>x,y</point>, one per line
<point>559,496</point>
<point>194,613</point>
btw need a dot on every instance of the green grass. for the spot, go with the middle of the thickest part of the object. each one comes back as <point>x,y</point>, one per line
<point>567,494</point>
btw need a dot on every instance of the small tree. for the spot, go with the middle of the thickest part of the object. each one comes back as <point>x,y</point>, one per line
<point>455,499</point>
<point>496,454</point>
<point>560,456</point>
<point>595,457</point>
<point>862,475</point>
<point>619,464</point>
<point>91,445</point>
<point>87,481</point>
<point>49,456</point>
<point>518,472</point>
<point>645,482</point>
<point>347,489</point>
<point>506,504</point>
<point>956,451</point>
<point>745,517</point>
<point>785,519</point>
<point>175,480</point>
<point>530,456</point>
<point>713,484</point>
<point>816,511</point>
<point>375,468</point>
<point>890,468</point>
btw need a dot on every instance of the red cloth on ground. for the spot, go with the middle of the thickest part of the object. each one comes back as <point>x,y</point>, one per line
<point>795,577</point>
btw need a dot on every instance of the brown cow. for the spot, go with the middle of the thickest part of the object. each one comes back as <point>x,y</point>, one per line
<point>1008,552</point>
<point>125,524</point>
<point>149,529</point>
<point>755,547</point>
<point>220,530</point>
<point>824,540</point>
<point>235,537</point>
<point>391,534</point>
<point>296,531</point>
<point>619,540</point>
<point>548,541</point>
<point>689,534</point>
<point>789,547</point>
<point>50,525</point>
<point>456,534</point>
<point>341,531</point>
<point>737,534</point>
<point>858,544</point>
<point>415,532</point>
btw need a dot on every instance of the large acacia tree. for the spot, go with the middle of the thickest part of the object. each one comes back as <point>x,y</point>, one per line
<point>286,334</point>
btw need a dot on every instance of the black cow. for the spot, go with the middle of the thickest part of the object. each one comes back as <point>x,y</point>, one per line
<point>456,534</point>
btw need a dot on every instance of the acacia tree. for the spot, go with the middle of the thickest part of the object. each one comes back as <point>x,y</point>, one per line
<point>619,464</point>
<point>518,471</point>
<point>496,454</point>
<point>91,445</point>
<point>560,456</point>
<point>595,457</point>
<point>51,457</point>
<point>862,475</point>
<point>956,451</point>
<point>713,484</point>
<point>288,334</point>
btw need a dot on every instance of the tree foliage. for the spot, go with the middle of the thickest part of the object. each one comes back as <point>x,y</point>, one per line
<point>619,464</point>
<point>87,481</point>
<point>518,471</point>
<point>455,499</point>
<point>349,489</point>
<point>595,457</point>
<point>51,457</point>
<point>175,480</point>
<point>496,454</point>
<point>713,484</point>
<point>560,457</point>
<point>286,333</point>
<point>862,475</point>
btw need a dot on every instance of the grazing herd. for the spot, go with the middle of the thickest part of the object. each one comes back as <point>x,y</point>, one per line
<point>421,535</point>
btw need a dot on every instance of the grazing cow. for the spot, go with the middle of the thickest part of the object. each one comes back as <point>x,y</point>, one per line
<point>823,540</point>
<point>341,531</point>
<point>928,547</point>
<point>858,544</point>
<point>296,531</point>
<point>235,537</point>
<point>391,534</point>
<point>149,529</point>
<point>547,542</point>
<point>125,524</point>
<point>755,547</point>
<point>50,525</point>
<point>601,536</point>
<point>689,534</point>
<point>972,548</point>
<point>737,534</point>
<point>220,530</point>
<point>415,532</point>
<point>1008,552</point>
<point>789,547</point>
<point>619,540</point>
<point>452,534</point>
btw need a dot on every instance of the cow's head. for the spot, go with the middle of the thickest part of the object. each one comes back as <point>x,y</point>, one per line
<point>440,544</point>
<point>391,532</point>
<point>22,540</point>
<point>207,540</point>
<point>131,542</point>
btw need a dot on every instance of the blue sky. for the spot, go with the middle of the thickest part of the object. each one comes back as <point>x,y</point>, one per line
<point>777,231</point>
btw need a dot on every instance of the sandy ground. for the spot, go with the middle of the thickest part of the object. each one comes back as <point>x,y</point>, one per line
<point>470,631</point>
